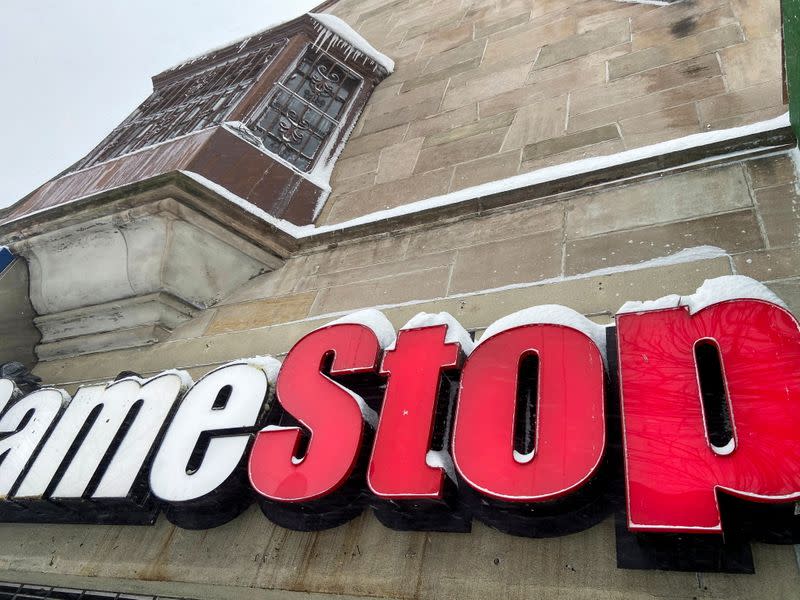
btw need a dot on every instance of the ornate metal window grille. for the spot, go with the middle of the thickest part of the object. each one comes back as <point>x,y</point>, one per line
<point>306,108</point>
<point>188,103</point>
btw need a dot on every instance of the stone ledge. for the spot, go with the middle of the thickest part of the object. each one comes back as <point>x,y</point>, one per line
<point>122,269</point>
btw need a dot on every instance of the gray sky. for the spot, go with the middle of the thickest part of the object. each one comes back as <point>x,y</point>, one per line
<point>72,70</point>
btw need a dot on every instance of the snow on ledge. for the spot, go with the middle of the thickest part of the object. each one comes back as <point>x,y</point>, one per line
<point>374,320</point>
<point>549,314</point>
<point>719,289</point>
<point>544,175</point>
<point>564,170</point>
<point>455,331</point>
<point>338,32</point>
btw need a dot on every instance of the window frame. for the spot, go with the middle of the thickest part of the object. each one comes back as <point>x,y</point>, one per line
<point>348,115</point>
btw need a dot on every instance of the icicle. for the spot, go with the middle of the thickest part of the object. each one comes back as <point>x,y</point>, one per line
<point>319,37</point>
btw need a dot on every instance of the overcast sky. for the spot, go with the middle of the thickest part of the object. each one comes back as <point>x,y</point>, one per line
<point>71,70</point>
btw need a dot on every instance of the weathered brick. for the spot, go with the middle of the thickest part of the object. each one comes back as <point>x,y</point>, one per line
<point>441,40</point>
<point>582,44</point>
<point>779,209</point>
<point>371,272</point>
<point>495,264</point>
<point>397,161</point>
<point>526,41</point>
<point>490,168</point>
<point>442,74</point>
<point>512,100</point>
<point>683,28</point>
<point>400,117</point>
<point>574,154</point>
<point>251,315</point>
<point>357,165</point>
<point>280,282</point>
<point>421,95</point>
<point>433,22</point>
<point>685,48</point>
<point>735,232</point>
<point>460,54</point>
<point>460,151</point>
<point>744,119</point>
<point>733,104</point>
<point>486,86</point>
<point>660,125</point>
<point>676,197</point>
<point>753,63</point>
<point>759,19</point>
<point>373,142</point>
<point>485,125</point>
<point>443,121</point>
<point>488,27</point>
<point>697,90</point>
<point>768,265</point>
<point>770,171</point>
<point>497,226</point>
<point>789,292</point>
<point>644,83</point>
<point>670,16</point>
<point>611,14</point>
<point>388,195</point>
<point>351,184</point>
<point>387,248</point>
<point>569,142</point>
<point>421,285</point>
<point>534,123</point>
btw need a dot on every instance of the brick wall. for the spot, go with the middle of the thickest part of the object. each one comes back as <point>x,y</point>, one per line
<point>486,89</point>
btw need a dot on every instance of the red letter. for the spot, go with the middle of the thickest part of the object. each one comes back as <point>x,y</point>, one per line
<point>673,470</point>
<point>398,469</point>
<point>570,430</point>
<point>331,412</point>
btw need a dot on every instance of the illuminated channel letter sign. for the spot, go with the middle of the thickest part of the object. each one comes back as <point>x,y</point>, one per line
<point>682,419</point>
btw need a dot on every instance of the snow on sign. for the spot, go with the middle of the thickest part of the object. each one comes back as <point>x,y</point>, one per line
<point>683,418</point>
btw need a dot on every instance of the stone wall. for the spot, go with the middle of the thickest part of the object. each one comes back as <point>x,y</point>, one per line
<point>544,250</point>
<point>486,89</point>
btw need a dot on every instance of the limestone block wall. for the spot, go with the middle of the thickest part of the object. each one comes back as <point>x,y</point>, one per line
<point>486,89</point>
<point>483,265</point>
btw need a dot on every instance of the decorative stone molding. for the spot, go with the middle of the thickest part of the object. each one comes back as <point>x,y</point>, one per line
<point>121,273</point>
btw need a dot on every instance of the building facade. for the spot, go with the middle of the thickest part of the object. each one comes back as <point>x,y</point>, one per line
<point>473,157</point>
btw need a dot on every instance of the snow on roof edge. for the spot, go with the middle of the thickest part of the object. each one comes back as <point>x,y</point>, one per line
<point>338,27</point>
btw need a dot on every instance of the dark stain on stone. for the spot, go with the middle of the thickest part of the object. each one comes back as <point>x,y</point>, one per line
<point>694,70</point>
<point>683,27</point>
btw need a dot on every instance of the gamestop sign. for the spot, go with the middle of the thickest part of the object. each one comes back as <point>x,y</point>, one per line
<point>683,419</point>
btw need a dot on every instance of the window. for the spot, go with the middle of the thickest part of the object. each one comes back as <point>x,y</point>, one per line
<point>306,108</point>
<point>189,99</point>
